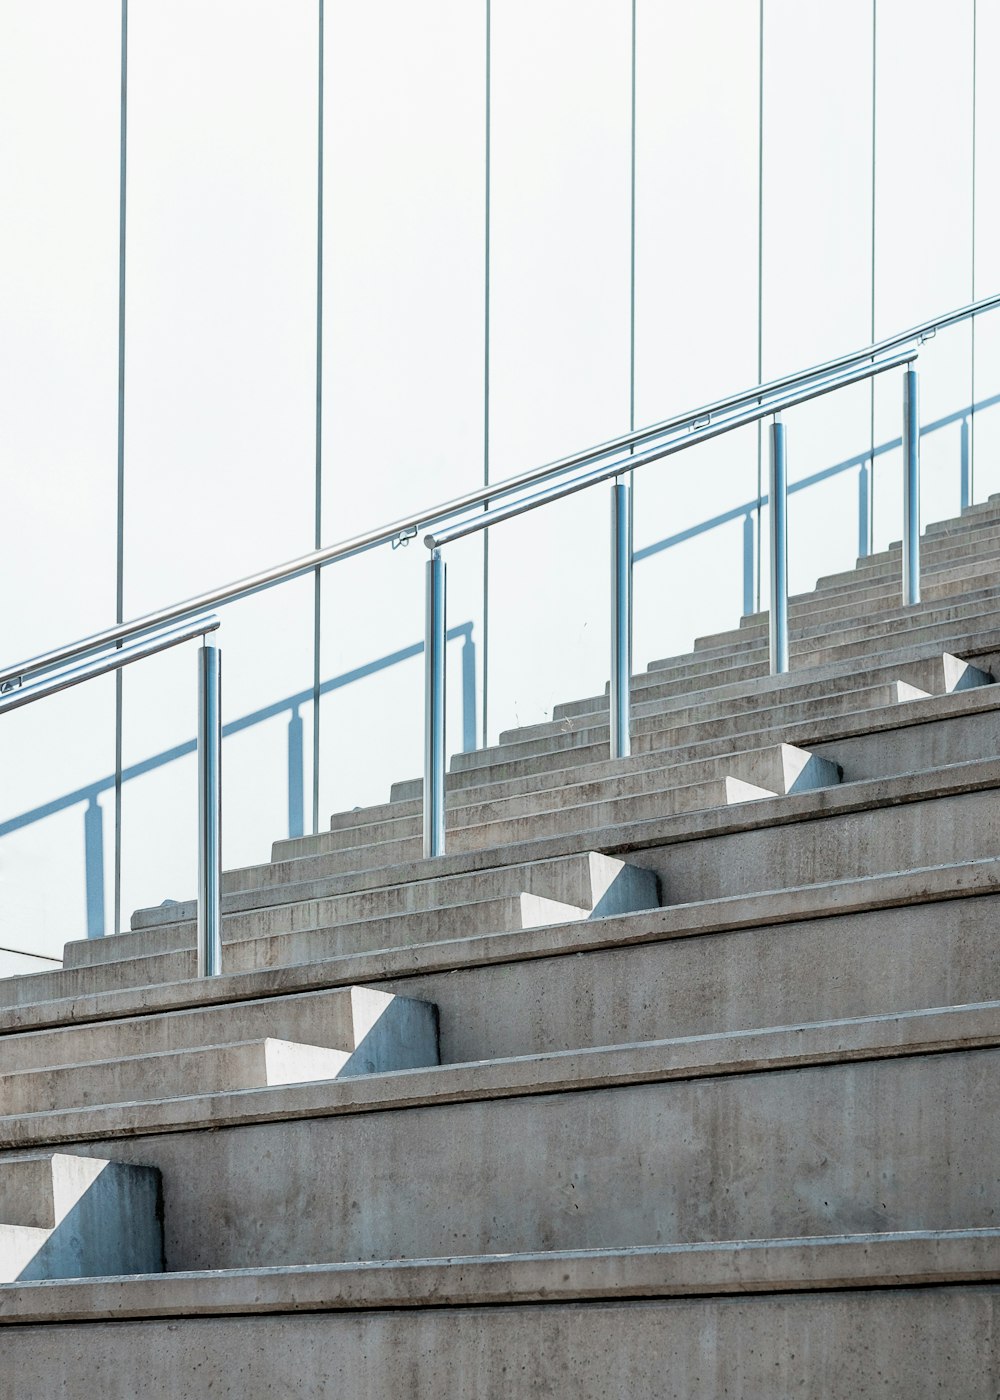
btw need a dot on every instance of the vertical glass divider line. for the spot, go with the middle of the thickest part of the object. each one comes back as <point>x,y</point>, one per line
<point>871,328</point>
<point>486,368</point>
<point>972,365</point>
<point>120,479</point>
<point>631,337</point>
<point>760,276</point>
<point>318,500</point>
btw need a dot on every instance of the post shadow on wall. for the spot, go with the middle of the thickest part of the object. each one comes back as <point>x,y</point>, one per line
<point>93,816</point>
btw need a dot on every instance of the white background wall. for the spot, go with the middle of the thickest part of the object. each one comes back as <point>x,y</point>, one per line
<point>805,176</point>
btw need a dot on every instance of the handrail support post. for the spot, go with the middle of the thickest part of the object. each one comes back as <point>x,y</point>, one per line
<point>778,523</point>
<point>621,620</point>
<point>911,488</point>
<point>435,642</point>
<point>209,810</point>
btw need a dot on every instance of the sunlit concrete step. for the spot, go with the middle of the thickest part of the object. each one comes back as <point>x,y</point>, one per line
<point>705,966</point>
<point>853,624</point>
<point>259,947</point>
<point>178,1073</point>
<point>675,741</point>
<point>945,583</point>
<point>934,556</point>
<point>600,883</point>
<point>376,1030</point>
<point>917,663</point>
<point>941,816</point>
<point>774,768</point>
<point>66,1216</point>
<point>656,706</point>
<point>611,1147</point>
<point>330,853</point>
<point>752,651</point>
<point>947,815</point>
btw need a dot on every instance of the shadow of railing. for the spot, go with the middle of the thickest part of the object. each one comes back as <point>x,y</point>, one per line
<point>860,460</point>
<point>93,815</point>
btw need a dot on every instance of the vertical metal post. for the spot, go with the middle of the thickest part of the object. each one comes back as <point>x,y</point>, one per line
<point>209,810</point>
<point>435,641</point>
<point>911,488</point>
<point>778,501</point>
<point>621,619</point>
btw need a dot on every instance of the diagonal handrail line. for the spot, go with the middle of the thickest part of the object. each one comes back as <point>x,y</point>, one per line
<point>408,526</point>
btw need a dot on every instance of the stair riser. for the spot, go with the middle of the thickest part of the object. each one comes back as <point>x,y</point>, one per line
<point>838,1148</point>
<point>928,1343</point>
<point>787,974</point>
<point>890,753</point>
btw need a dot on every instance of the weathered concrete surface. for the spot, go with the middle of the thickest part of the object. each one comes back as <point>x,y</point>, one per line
<point>894,1344</point>
<point>834,1148</point>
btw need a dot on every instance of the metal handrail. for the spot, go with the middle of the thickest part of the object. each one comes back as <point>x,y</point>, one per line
<point>408,526</point>
<point>17,694</point>
<point>155,631</point>
<point>770,405</point>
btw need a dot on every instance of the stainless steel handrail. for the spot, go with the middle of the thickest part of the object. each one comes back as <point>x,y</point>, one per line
<point>409,526</point>
<point>23,683</point>
<point>769,405</point>
<point>114,658</point>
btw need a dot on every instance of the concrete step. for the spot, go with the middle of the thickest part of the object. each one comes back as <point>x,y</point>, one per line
<point>847,623</point>
<point>267,949</point>
<point>900,1316</point>
<point>813,648</point>
<point>72,1216</point>
<point>828,1128</point>
<point>738,730</point>
<point>657,705</point>
<point>372,1029</point>
<point>939,817</point>
<point>698,967</point>
<point>645,841</point>
<point>588,880</point>
<point>207,1069</point>
<point>935,555</point>
<point>944,583</point>
<point>333,855</point>
<point>729,777</point>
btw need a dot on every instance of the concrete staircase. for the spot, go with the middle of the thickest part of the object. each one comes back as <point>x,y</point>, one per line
<point>676,1077</point>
